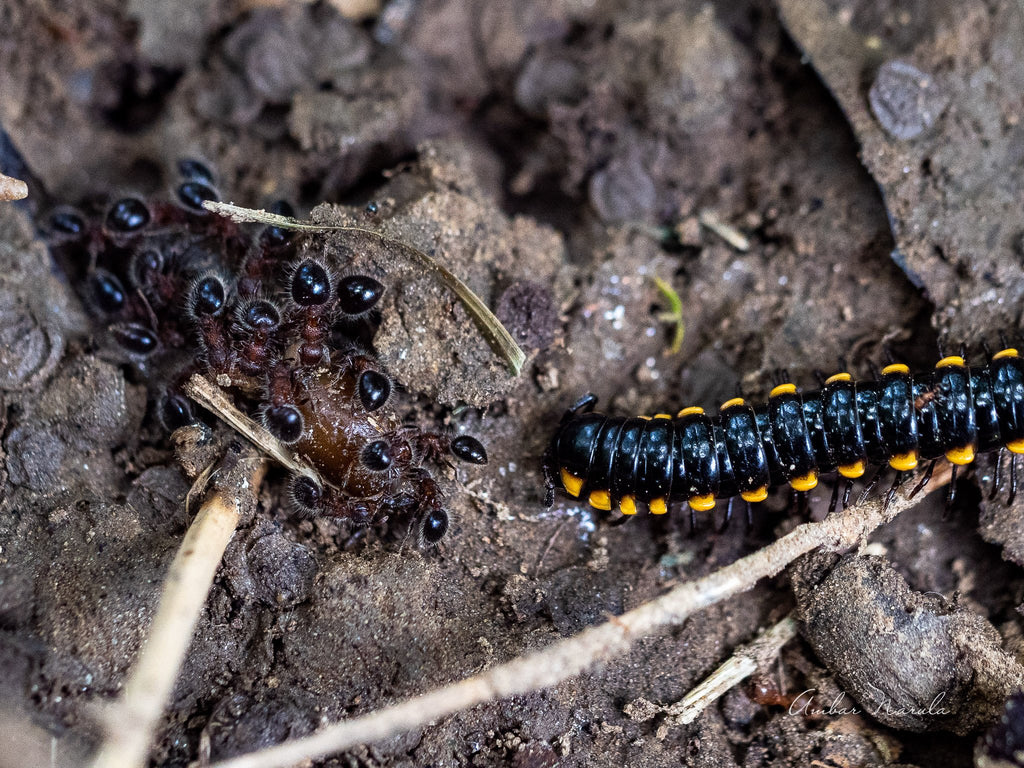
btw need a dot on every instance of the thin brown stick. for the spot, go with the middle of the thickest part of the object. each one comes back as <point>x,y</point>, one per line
<point>132,720</point>
<point>212,397</point>
<point>12,188</point>
<point>573,656</point>
<point>744,662</point>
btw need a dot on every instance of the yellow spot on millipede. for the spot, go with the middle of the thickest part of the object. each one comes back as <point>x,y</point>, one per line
<point>904,462</point>
<point>964,455</point>
<point>852,471</point>
<point>572,483</point>
<point>758,494</point>
<point>783,389</point>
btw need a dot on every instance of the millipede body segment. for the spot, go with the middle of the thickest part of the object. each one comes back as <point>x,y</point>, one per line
<point>899,419</point>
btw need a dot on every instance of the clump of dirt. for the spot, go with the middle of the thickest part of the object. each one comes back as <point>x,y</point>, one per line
<point>914,661</point>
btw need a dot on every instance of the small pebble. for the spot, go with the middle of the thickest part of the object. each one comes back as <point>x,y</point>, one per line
<point>905,100</point>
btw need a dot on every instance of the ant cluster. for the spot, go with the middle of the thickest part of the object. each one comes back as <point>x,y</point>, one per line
<point>180,290</point>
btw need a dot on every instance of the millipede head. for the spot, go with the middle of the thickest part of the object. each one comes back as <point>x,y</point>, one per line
<point>278,237</point>
<point>176,411</point>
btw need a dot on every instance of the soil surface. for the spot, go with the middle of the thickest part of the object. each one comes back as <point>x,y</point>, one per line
<point>816,180</point>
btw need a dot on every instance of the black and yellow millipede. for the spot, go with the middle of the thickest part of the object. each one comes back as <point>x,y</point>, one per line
<point>897,420</point>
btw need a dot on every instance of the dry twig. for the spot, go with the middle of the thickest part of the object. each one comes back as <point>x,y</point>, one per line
<point>12,189</point>
<point>575,655</point>
<point>744,662</point>
<point>133,719</point>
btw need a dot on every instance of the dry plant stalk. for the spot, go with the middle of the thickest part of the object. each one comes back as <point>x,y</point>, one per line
<point>574,655</point>
<point>132,720</point>
<point>744,662</point>
<point>12,189</point>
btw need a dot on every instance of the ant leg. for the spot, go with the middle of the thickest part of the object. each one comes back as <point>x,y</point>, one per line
<point>925,479</point>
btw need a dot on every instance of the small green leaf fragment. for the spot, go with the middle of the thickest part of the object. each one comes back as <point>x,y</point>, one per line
<point>673,315</point>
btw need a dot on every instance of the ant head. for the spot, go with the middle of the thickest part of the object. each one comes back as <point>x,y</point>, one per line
<point>135,338</point>
<point>259,315</point>
<point>358,294</point>
<point>433,527</point>
<point>310,284</point>
<point>66,224</point>
<point>127,216</point>
<point>284,422</point>
<point>469,449</point>
<point>306,494</point>
<point>208,296</point>
<point>374,389</point>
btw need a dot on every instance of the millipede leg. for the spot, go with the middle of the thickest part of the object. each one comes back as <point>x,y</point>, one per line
<point>693,521</point>
<point>924,480</point>
<point>891,493</point>
<point>820,376</point>
<point>728,515</point>
<point>750,515</point>
<point>1013,479</point>
<point>871,486</point>
<point>835,497</point>
<point>986,349</point>
<point>801,503</point>
<point>950,492</point>
<point>1004,340</point>
<point>621,520</point>
<point>997,474</point>
<point>846,494</point>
